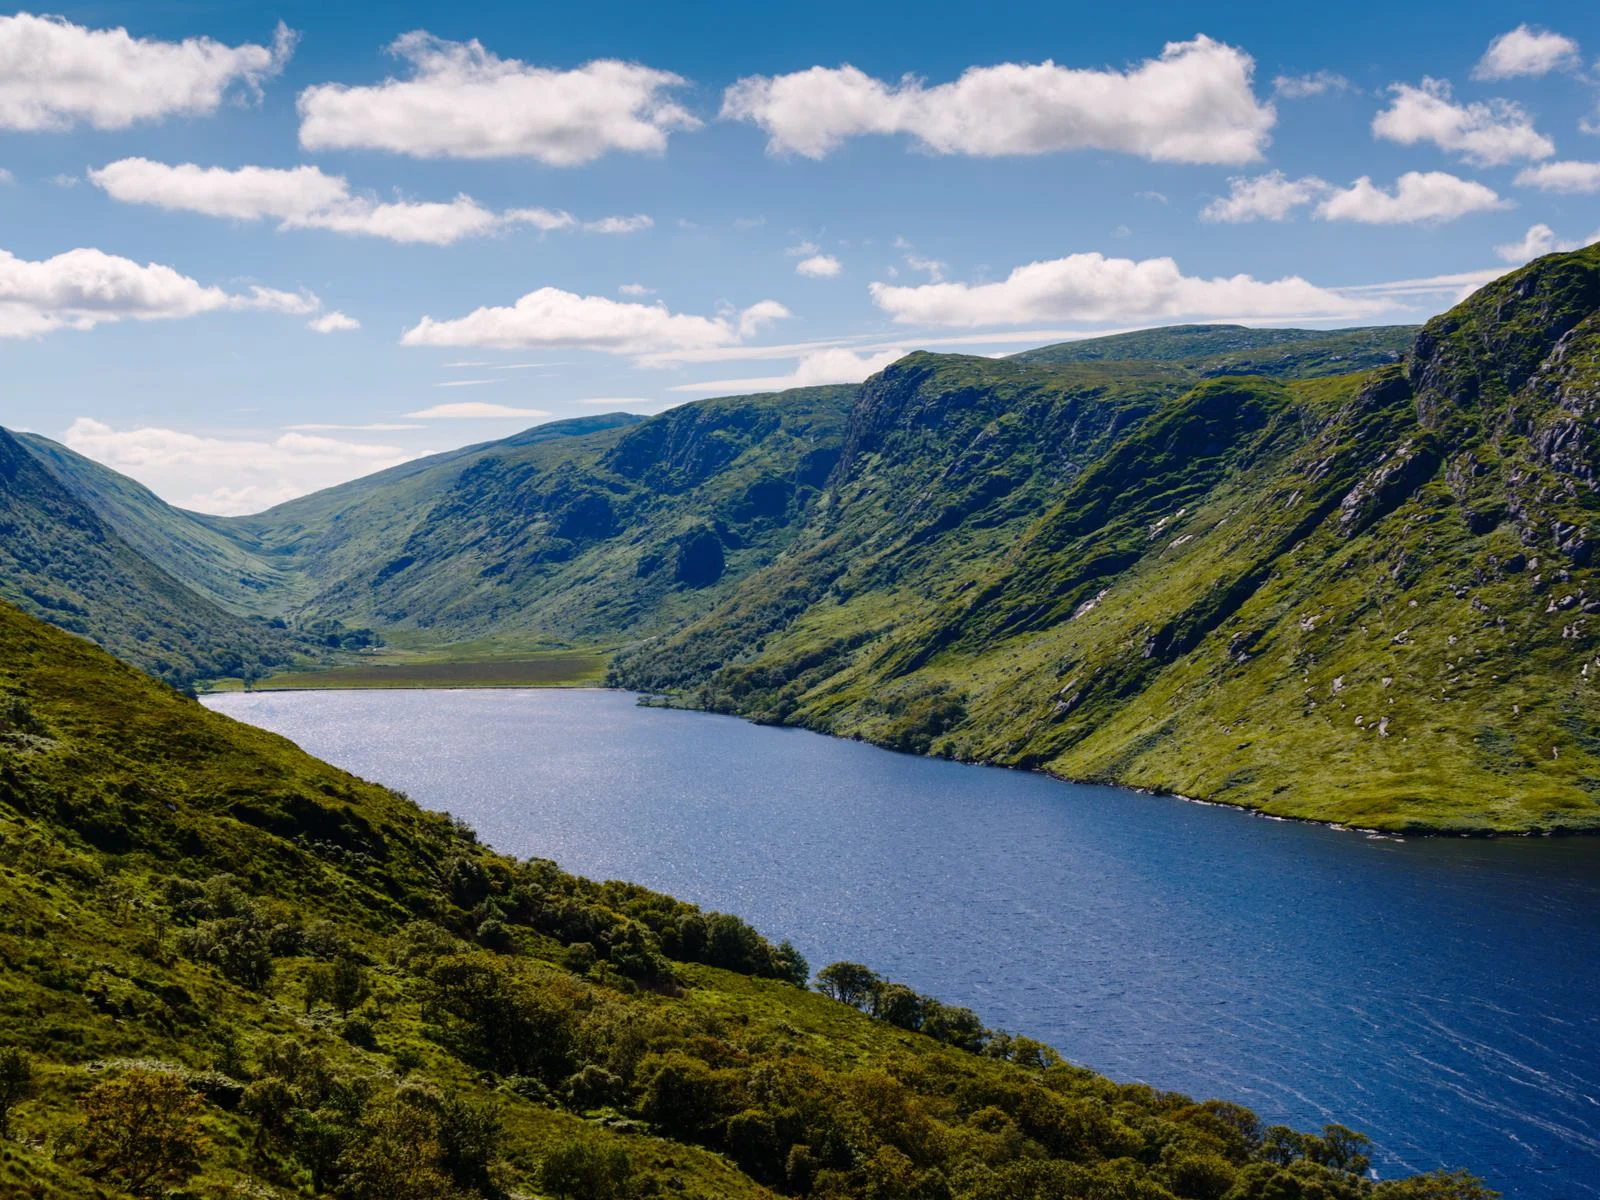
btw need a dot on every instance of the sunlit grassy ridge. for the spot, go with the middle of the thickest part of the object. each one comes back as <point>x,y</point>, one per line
<point>312,987</point>
<point>1367,598</point>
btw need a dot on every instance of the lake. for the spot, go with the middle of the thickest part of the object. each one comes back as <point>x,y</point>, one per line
<point>1441,995</point>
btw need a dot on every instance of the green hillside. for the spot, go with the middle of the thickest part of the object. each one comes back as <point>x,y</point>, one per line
<point>234,971</point>
<point>61,561</point>
<point>1209,350</point>
<point>1360,599</point>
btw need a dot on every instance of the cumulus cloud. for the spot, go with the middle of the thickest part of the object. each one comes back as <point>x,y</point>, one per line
<point>1573,178</point>
<point>819,266</point>
<point>1193,104</point>
<point>82,288</point>
<point>1489,133</point>
<point>461,101</point>
<point>55,75</point>
<point>228,475</point>
<point>305,197</point>
<point>1092,287</point>
<point>552,317</point>
<point>1299,87</point>
<point>334,322</point>
<point>1270,197</point>
<point>1418,197</point>
<point>635,289</point>
<point>1539,240</point>
<point>836,365</point>
<point>476,411</point>
<point>1527,51</point>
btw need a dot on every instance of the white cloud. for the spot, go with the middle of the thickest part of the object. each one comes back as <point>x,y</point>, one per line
<point>232,475</point>
<point>334,322</point>
<point>1488,133</point>
<point>1526,51</point>
<point>932,267</point>
<point>1540,240</point>
<point>802,249</point>
<point>837,365</point>
<point>759,315</point>
<point>635,289</point>
<point>82,288</point>
<point>306,198</point>
<point>819,266</point>
<point>467,382</point>
<point>1573,178</point>
<point>633,224</point>
<point>55,75</point>
<point>1418,197</point>
<point>461,101</point>
<point>1299,87</point>
<point>1193,104</point>
<point>1092,287</point>
<point>6,177</point>
<point>1158,197</point>
<point>552,317</point>
<point>475,411</point>
<point>629,401</point>
<point>1269,197</point>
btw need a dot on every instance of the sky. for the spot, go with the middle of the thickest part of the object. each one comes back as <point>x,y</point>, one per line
<point>252,250</point>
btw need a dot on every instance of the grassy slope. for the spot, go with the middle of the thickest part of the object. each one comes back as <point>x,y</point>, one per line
<point>1369,602</point>
<point>113,790</point>
<point>1210,350</point>
<point>62,562</point>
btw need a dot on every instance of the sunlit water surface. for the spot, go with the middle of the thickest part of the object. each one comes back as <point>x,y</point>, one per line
<point>1441,995</point>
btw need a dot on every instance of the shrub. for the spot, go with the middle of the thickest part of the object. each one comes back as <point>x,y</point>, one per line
<point>142,1131</point>
<point>579,1170</point>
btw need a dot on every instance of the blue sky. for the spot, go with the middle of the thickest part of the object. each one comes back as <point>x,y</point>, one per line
<point>244,246</point>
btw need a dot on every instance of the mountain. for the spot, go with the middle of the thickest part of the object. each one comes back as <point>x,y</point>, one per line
<point>235,970</point>
<point>1367,599</point>
<point>63,562</point>
<point>1209,350</point>
<point>1204,559</point>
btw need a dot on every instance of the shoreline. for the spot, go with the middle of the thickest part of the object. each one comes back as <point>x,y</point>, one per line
<point>658,700</point>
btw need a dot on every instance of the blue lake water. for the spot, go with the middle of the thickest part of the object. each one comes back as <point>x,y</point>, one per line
<point>1442,995</point>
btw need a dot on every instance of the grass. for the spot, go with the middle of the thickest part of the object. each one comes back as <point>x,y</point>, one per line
<point>560,668</point>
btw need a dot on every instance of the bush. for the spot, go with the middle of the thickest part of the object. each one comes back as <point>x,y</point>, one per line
<point>142,1131</point>
<point>579,1170</point>
<point>16,1083</point>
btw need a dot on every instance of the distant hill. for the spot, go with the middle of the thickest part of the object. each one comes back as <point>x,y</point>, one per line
<point>63,562</point>
<point>1210,350</point>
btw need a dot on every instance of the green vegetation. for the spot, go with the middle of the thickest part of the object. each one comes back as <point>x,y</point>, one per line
<point>555,668</point>
<point>235,971</point>
<point>1209,350</point>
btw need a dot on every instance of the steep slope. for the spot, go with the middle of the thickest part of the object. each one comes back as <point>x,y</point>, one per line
<point>234,970</point>
<point>577,533</point>
<point>1210,350</point>
<point>60,561</point>
<point>1367,599</point>
<point>182,544</point>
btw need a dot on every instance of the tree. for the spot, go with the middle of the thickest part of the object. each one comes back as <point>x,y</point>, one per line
<point>16,1083</point>
<point>347,984</point>
<point>142,1130</point>
<point>849,983</point>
